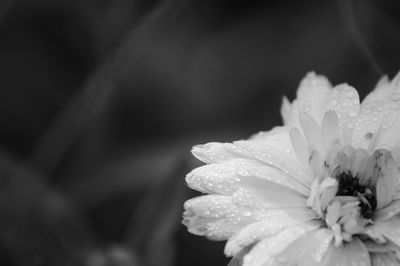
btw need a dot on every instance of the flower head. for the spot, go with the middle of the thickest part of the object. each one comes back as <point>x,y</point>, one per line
<point>323,189</point>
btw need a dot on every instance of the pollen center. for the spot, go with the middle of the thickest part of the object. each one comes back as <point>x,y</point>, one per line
<point>350,186</point>
<point>349,189</point>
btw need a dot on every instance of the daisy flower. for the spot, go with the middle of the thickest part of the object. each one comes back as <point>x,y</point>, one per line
<point>323,189</point>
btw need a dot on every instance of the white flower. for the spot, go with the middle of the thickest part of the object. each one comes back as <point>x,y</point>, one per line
<point>321,190</point>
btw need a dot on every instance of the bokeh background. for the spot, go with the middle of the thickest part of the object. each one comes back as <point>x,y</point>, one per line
<point>100,102</point>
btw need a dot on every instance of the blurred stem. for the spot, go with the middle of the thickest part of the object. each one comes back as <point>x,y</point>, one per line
<point>88,103</point>
<point>347,8</point>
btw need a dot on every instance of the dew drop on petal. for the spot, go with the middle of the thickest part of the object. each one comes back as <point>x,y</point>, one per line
<point>369,136</point>
<point>247,212</point>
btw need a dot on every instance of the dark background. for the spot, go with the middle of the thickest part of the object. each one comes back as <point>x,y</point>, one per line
<point>100,102</point>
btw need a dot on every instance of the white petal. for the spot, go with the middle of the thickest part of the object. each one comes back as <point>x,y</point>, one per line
<point>308,249</point>
<point>383,195</point>
<point>312,89</point>
<point>331,152</point>
<point>372,246</point>
<point>396,82</point>
<point>374,235</point>
<point>383,259</point>
<point>286,112</point>
<point>330,128</point>
<point>344,100</point>
<point>278,221</point>
<point>299,145</point>
<point>396,154</point>
<point>387,177</point>
<point>311,130</point>
<point>381,119</point>
<point>382,91</point>
<point>390,126</point>
<point>275,151</point>
<point>219,217</point>
<point>262,206</point>
<point>390,229</point>
<point>351,253</point>
<point>342,158</point>
<point>237,260</point>
<point>265,251</point>
<point>212,152</point>
<point>332,254</point>
<point>358,161</point>
<point>226,177</point>
<point>388,212</point>
<point>316,96</point>
<point>272,148</point>
<point>388,247</point>
<point>383,81</point>
<point>273,134</point>
<point>316,164</point>
<point>266,195</point>
<point>215,217</point>
<point>355,254</point>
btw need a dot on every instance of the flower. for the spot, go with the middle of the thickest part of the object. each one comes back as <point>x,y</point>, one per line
<point>323,189</point>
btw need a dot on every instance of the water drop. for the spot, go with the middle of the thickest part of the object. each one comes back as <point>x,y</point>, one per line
<point>369,136</point>
<point>247,212</point>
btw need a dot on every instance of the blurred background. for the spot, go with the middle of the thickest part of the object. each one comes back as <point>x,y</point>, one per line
<point>101,101</point>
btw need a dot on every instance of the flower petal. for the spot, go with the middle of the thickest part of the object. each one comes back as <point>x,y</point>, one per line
<point>358,161</point>
<point>212,152</point>
<point>286,112</point>
<point>344,100</point>
<point>382,91</point>
<point>381,120</point>
<point>226,177</point>
<point>387,247</point>
<point>329,128</point>
<point>215,216</point>
<point>380,259</point>
<point>237,260</point>
<point>312,89</point>
<point>390,229</point>
<point>311,130</point>
<point>315,96</point>
<point>355,254</point>
<point>219,217</point>
<point>272,148</point>
<point>299,145</point>
<point>278,221</point>
<point>263,200</point>
<point>387,177</point>
<point>396,154</point>
<point>390,125</point>
<point>265,251</point>
<point>275,151</point>
<point>388,212</point>
<point>374,235</point>
<point>308,249</point>
<point>352,253</point>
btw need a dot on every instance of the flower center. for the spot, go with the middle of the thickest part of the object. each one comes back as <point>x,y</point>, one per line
<point>350,185</point>
<point>344,193</point>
